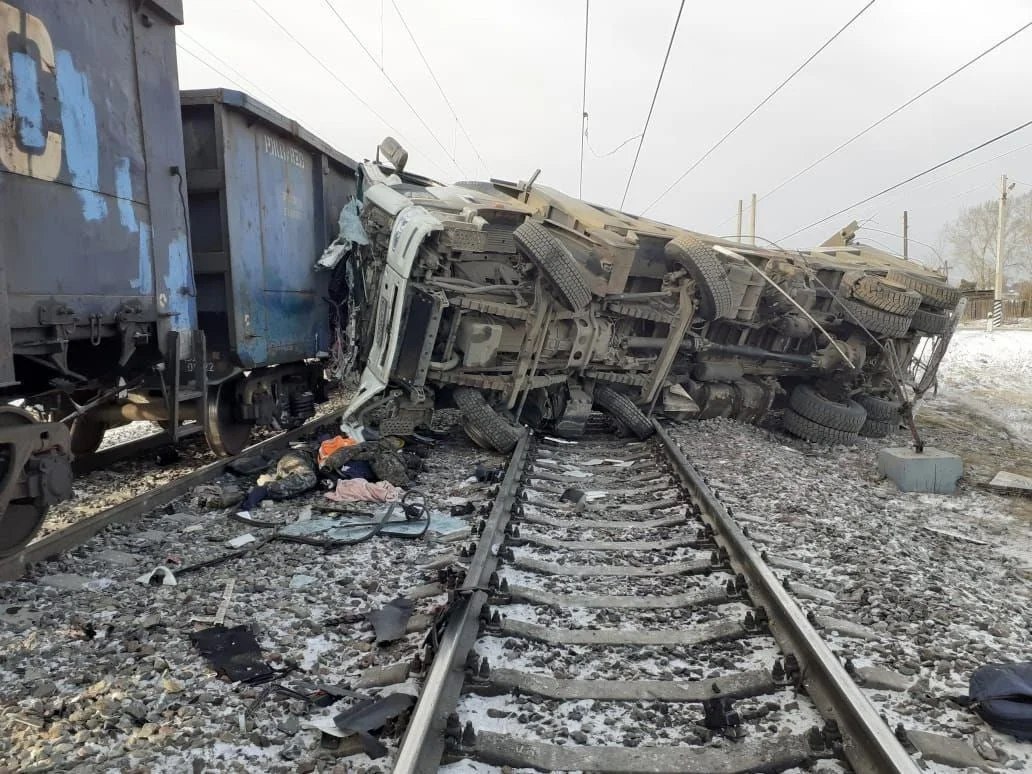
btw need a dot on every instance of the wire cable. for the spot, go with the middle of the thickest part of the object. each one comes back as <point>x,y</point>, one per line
<point>339,80</point>
<point>254,87</point>
<point>910,179</point>
<point>655,94</point>
<point>584,102</point>
<point>394,86</point>
<point>891,113</point>
<point>763,102</point>
<point>440,88</point>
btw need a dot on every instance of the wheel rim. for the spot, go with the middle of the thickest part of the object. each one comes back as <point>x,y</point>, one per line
<point>226,435</point>
<point>22,519</point>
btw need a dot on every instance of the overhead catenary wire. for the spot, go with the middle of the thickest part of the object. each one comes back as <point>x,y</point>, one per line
<point>339,80</point>
<point>240,79</point>
<point>584,102</point>
<point>762,102</point>
<point>393,85</point>
<point>437,82</point>
<point>894,111</point>
<point>910,179</point>
<point>655,94</point>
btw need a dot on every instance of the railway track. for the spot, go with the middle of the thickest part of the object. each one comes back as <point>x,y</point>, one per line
<point>78,532</point>
<point>614,617</point>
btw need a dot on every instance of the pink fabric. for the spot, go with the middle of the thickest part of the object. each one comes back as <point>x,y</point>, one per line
<point>358,490</point>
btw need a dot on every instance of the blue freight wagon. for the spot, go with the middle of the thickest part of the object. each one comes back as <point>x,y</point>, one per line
<point>154,264</point>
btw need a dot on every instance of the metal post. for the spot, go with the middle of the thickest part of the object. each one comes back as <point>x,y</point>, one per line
<point>752,220</point>
<point>1001,224</point>
<point>739,232</point>
<point>906,228</point>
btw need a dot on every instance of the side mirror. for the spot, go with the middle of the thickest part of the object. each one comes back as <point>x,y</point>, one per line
<point>393,152</point>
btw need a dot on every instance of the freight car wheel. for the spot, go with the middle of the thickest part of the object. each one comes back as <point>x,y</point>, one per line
<point>23,518</point>
<point>226,434</point>
<point>87,435</point>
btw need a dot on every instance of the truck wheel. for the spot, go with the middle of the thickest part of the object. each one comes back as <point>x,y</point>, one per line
<point>879,409</point>
<point>875,320</point>
<point>877,428</point>
<point>555,262</point>
<point>485,427</point>
<point>810,404</point>
<point>930,322</point>
<point>811,431</point>
<point>623,410</point>
<point>715,297</point>
<point>876,292</point>
<point>87,435</point>
<point>935,294</point>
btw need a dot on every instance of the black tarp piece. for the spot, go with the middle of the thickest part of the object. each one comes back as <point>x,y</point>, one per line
<point>368,716</point>
<point>389,621</point>
<point>234,652</point>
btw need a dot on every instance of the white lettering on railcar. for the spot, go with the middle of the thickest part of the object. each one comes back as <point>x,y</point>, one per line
<point>285,152</point>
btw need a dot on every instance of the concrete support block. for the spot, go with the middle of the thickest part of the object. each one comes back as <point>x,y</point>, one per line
<point>933,470</point>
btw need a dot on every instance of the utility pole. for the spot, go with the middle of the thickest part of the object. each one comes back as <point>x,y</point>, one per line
<point>1001,224</point>
<point>739,237</point>
<point>752,220</point>
<point>906,241</point>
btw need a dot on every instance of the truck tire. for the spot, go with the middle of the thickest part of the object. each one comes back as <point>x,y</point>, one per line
<point>715,297</point>
<point>877,428</point>
<point>933,323</point>
<point>876,320</point>
<point>874,291</point>
<point>483,424</point>
<point>879,409</point>
<point>623,410</point>
<point>811,431</point>
<point>810,404</point>
<point>556,263</point>
<point>935,294</point>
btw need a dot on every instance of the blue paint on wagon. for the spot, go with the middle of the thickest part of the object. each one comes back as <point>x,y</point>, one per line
<point>81,146</point>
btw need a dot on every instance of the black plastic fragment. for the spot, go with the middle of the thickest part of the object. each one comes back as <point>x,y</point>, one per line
<point>368,716</point>
<point>389,621</point>
<point>234,652</point>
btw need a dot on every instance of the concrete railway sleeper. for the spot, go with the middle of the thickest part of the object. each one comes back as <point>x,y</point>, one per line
<point>605,629</point>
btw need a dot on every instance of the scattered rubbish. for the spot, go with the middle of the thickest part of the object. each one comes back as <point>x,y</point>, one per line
<point>328,447</point>
<point>464,508</point>
<point>254,497</point>
<point>160,575</point>
<point>368,716</point>
<point>1012,481</point>
<point>379,676</point>
<point>1002,695</point>
<point>389,621</point>
<point>220,615</point>
<point>382,456</point>
<point>295,474</point>
<point>486,475</point>
<point>241,540</point>
<point>234,653</point>
<point>358,490</point>
<point>560,441</point>
<point>350,233</point>
<point>248,466</point>
<point>300,581</point>
<point>215,496</point>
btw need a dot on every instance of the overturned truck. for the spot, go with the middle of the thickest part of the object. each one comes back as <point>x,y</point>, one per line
<point>517,304</point>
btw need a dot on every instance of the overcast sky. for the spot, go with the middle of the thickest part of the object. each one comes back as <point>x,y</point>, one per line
<point>513,72</point>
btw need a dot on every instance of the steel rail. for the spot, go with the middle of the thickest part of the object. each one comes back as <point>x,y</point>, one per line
<point>868,742</point>
<point>13,567</point>
<point>423,744</point>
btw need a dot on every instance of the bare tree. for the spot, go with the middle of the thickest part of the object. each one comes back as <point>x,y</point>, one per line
<point>971,239</point>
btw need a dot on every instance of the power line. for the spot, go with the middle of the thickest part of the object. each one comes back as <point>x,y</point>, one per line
<point>437,82</point>
<point>891,113</point>
<point>911,178</point>
<point>211,67</point>
<point>255,88</point>
<point>655,94</point>
<point>339,80</point>
<point>763,102</point>
<point>394,86</point>
<point>584,102</point>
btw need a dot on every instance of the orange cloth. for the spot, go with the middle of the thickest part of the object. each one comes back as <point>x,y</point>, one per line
<point>326,448</point>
